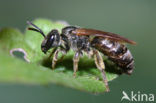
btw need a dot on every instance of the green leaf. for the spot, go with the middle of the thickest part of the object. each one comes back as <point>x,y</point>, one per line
<point>38,71</point>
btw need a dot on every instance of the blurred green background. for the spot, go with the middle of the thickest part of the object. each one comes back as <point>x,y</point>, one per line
<point>134,19</point>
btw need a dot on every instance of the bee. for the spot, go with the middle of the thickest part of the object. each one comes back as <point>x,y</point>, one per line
<point>89,41</point>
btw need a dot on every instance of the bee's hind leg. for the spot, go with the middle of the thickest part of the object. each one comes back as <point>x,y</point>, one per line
<point>101,66</point>
<point>75,62</point>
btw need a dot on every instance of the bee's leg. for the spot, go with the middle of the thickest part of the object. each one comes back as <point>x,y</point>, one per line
<point>55,58</point>
<point>52,53</point>
<point>75,60</point>
<point>101,66</point>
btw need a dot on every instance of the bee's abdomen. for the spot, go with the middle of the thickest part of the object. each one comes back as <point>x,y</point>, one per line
<point>116,52</point>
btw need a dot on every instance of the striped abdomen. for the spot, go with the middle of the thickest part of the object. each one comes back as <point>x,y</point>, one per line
<point>116,52</point>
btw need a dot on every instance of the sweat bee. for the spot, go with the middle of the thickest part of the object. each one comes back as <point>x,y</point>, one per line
<point>89,41</point>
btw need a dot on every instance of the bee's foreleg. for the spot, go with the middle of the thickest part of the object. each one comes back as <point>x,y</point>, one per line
<point>55,58</point>
<point>75,61</point>
<point>101,66</point>
<point>52,53</point>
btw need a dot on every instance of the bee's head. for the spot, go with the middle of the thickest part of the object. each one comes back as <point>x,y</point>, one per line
<point>51,40</point>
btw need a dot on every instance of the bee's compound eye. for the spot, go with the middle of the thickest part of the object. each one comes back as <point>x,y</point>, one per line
<point>47,43</point>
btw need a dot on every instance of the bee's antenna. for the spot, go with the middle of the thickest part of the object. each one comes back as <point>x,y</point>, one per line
<point>36,28</point>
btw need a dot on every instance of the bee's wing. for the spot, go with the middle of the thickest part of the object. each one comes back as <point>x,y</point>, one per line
<point>112,36</point>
